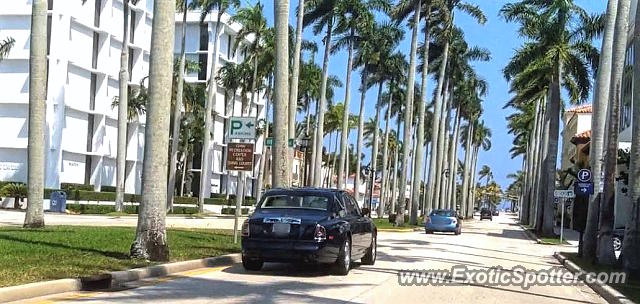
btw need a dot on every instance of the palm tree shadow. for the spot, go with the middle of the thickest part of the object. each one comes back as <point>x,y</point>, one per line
<point>111,254</point>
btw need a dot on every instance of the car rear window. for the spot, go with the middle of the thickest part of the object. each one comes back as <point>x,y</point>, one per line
<point>443,212</point>
<point>296,202</point>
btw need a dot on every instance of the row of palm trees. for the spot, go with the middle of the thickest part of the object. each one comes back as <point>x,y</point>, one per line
<point>372,48</point>
<point>557,54</point>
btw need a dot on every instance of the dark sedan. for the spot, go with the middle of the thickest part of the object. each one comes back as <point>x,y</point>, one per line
<point>308,225</point>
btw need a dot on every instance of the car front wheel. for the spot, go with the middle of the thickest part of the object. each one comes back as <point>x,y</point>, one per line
<point>370,257</point>
<point>343,264</point>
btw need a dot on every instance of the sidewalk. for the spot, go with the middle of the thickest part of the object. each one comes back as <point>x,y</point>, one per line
<point>570,236</point>
<point>16,218</point>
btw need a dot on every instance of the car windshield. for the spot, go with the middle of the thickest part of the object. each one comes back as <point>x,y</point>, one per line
<point>296,202</point>
<point>447,213</point>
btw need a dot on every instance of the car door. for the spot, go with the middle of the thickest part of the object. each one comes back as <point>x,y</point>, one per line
<point>353,216</point>
<point>363,225</point>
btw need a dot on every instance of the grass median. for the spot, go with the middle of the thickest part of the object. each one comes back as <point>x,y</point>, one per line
<point>383,223</point>
<point>32,255</point>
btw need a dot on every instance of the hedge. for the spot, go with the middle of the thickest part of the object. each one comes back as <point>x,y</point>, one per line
<point>185,200</point>
<point>72,187</point>
<point>232,211</point>
<point>107,189</point>
<point>104,209</point>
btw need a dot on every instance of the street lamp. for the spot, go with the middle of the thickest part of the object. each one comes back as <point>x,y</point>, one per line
<point>370,172</point>
<point>304,145</point>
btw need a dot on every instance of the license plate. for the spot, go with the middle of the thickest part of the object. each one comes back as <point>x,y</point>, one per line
<point>279,228</point>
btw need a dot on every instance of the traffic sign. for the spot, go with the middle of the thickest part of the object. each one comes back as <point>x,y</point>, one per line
<point>240,156</point>
<point>584,189</point>
<point>242,128</point>
<point>564,193</point>
<point>584,175</point>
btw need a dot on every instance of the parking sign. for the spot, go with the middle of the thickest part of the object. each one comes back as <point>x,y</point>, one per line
<point>584,175</point>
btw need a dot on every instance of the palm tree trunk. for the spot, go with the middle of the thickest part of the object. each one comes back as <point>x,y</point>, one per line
<point>264,157</point>
<point>441,148</point>
<point>363,93</point>
<point>123,100</point>
<point>394,186</point>
<point>435,131</point>
<point>34,217</point>
<point>177,113</point>
<point>600,106</point>
<point>281,171</point>
<point>542,150</point>
<point>472,194</point>
<point>212,94</point>
<point>453,161</point>
<point>631,246</point>
<point>314,150</point>
<point>425,169</point>
<point>419,152</point>
<point>151,236</point>
<point>467,213</point>
<point>408,105</point>
<point>376,135</point>
<point>442,153</point>
<point>345,120</point>
<point>295,73</point>
<point>385,158</point>
<point>317,169</point>
<point>335,158</point>
<point>185,161</point>
<point>606,256</point>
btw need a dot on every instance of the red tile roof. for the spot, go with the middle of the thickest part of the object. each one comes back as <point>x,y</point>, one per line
<point>581,138</point>
<point>581,109</point>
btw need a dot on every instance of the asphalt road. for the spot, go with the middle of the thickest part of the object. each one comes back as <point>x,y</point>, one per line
<point>482,245</point>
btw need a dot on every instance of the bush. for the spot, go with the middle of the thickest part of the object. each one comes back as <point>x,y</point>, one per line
<point>70,187</point>
<point>185,200</point>
<point>105,209</point>
<point>17,191</point>
<point>82,195</point>
<point>218,195</point>
<point>107,189</point>
<point>232,211</point>
<point>215,201</point>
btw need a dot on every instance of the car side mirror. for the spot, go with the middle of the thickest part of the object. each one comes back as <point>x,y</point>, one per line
<point>366,211</point>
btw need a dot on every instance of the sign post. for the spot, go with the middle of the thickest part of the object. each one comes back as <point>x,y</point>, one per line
<point>240,158</point>
<point>562,195</point>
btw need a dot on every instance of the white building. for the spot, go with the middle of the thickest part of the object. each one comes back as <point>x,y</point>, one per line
<point>84,46</point>
<point>199,47</point>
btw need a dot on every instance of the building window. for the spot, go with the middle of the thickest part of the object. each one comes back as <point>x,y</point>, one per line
<point>132,27</point>
<point>94,56</point>
<point>92,93</point>
<point>131,54</point>
<point>202,63</point>
<point>229,46</point>
<point>49,21</point>
<point>627,91</point>
<point>204,37</point>
<point>97,12</point>
<point>50,4</point>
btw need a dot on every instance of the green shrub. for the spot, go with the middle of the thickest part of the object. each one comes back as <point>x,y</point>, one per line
<point>218,195</point>
<point>233,211</point>
<point>133,198</point>
<point>186,200</point>
<point>72,187</point>
<point>18,191</point>
<point>215,201</point>
<point>107,189</point>
<point>95,196</point>
<point>129,209</point>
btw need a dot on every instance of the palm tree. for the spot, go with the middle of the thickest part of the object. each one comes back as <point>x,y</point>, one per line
<point>207,6</point>
<point>37,95</point>
<point>485,172</point>
<point>606,255</point>
<point>396,66</point>
<point>181,5</point>
<point>5,47</point>
<point>354,16</point>
<point>295,72</point>
<point>281,173</point>
<point>631,245</point>
<point>151,239</point>
<point>560,51</point>
<point>599,109</point>
<point>321,13</point>
<point>122,108</point>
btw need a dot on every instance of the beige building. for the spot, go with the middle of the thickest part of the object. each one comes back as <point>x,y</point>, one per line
<point>577,123</point>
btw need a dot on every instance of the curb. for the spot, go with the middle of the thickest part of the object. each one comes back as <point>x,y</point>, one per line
<point>399,229</point>
<point>607,292</point>
<point>534,238</point>
<point>111,279</point>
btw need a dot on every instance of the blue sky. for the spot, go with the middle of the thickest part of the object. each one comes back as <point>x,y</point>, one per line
<point>497,36</point>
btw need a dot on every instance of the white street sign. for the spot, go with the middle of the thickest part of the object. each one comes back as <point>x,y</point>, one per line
<point>242,128</point>
<point>564,193</point>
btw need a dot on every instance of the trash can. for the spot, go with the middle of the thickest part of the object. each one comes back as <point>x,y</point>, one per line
<point>58,201</point>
